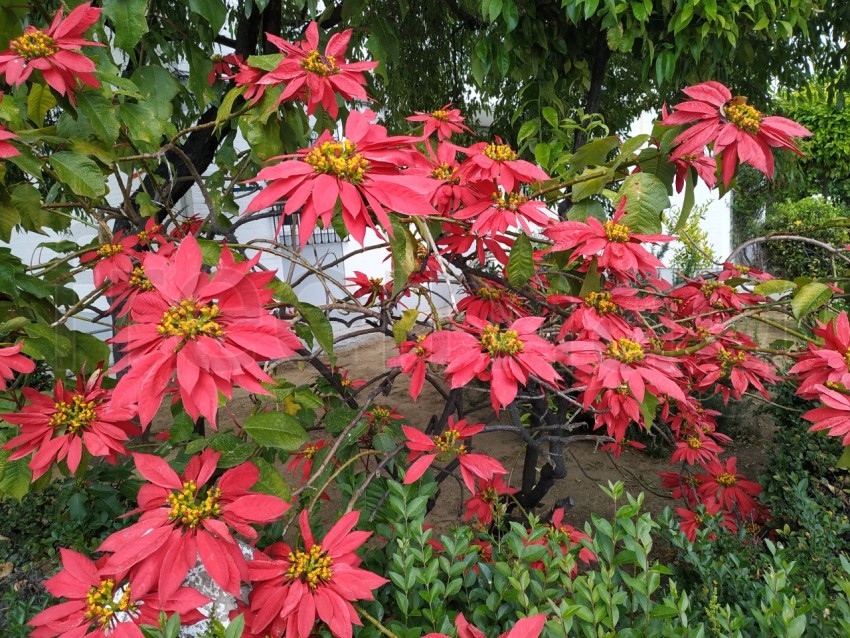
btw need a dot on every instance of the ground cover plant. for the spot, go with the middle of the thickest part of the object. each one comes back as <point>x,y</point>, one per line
<point>523,291</point>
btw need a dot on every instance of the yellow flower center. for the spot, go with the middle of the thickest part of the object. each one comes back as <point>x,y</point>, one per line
<point>697,519</point>
<point>500,342</point>
<point>694,442</point>
<point>339,159</point>
<point>601,301</point>
<point>744,116</point>
<point>140,280</point>
<point>511,201</point>
<point>310,451</point>
<point>419,349</point>
<point>729,360</point>
<point>190,321</point>
<point>446,173</point>
<point>625,350</point>
<point>710,287</point>
<point>441,115</point>
<point>500,152</point>
<point>488,292</point>
<point>73,416</point>
<point>35,44</point>
<point>188,509</point>
<point>742,270</point>
<point>619,233</point>
<point>103,603</point>
<point>144,236</point>
<point>320,64</point>
<point>109,250</point>
<point>489,495</point>
<point>448,444</point>
<point>313,567</point>
<point>380,413</point>
<point>726,479</point>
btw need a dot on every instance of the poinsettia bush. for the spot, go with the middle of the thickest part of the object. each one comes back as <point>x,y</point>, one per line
<point>307,507</point>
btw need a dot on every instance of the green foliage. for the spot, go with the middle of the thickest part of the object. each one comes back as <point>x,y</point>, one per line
<point>816,219</point>
<point>695,253</point>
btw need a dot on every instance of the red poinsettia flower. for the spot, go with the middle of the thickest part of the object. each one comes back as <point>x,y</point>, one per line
<point>506,357</point>
<point>413,360</point>
<point>567,538</point>
<point>446,121</point>
<point>825,362</point>
<point>123,293</point>
<point>224,67</point>
<point>303,459</point>
<point>834,417</point>
<point>54,52</point>
<point>740,271</point>
<point>599,312</point>
<point>696,448</point>
<point>11,361</point>
<point>361,172</point>
<point>524,628</point>
<point>491,302</point>
<point>424,450</point>
<point>486,500</point>
<point>58,428</point>
<point>458,240</point>
<point>209,331</point>
<point>734,129</point>
<point>373,288</point>
<point>616,248</point>
<point>692,521</point>
<point>183,519</point>
<point>315,77</point>
<point>100,606</point>
<point>499,163</point>
<point>704,166</point>
<point>702,296</point>
<point>731,489</point>
<point>187,226</point>
<point>495,211</point>
<point>113,261</point>
<point>453,190</point>
<point>740,368</point>
<point>291,588</point>
<point>616,447</point>
<point>682,486</point>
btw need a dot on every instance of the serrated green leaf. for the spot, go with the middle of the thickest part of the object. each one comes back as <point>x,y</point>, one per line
<point>809,298</point>
<point>404,325</point>
<point>774,287</point>
<point>593,153</point>
<point>226,107</point>
<point>646,198</point>
<point>181,428</point>
<point>520,268</point>
<point>142,123</point>
<point>338,419</point>
<point>79,173</point>
<point>234,451</point>
<point>585,188</point>
<point>265,62</point>
<point>276,430</point>
<point>100,114</point>
<point>403,248</point>
<point>16,479</point>
<point>39,102</point>
<point>320,326</point>
<point>129,21</point>
<point>270,481</point>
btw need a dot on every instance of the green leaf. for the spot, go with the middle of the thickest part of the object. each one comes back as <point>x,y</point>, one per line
<point>265,62</point>
<point>320,326</point>
<point>214,11</point>
<point>16,479</point>
<point>520,267</point>
<point>580,211</point>
<point>551,116</point>
<point>646,197</point>
<point>844,461</point>
<point>774,287</point>
<point>585,188</point>
<point>510,14</point>
<point>128,19</point>
<point>276,430</point>
<point>100,114</point>
<point>39,102</point>
<point>687,203</point>
<point>227,105</point>
<point>527,129</point>
<point>494,9</point>
<point>181,428</point>
<point>403,249</point>
<point>647,409</point>
<point>142,123</point>
<point>542,153</point>
<point>593,153</point>
<point>404,325</point>
<point>210,251</point>
<point>270,482</point>
<point>338,419</point>
<point>79,173</point>
<point>809,298</point>
<point>234,451</point>
<point>592,281</point>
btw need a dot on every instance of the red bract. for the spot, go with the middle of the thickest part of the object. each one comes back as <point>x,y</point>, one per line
<point>495,211</point>
<point>6,149</point>
<point>693,521</point>
<point>835,417</point>
<point>208,330</point>
<point>736,271</point>
<point>683,486</point>
<point>568,537</point>
<point>696,448</point>
<point>424,450</point>
<point>124,293</point>
<point>314,77</point>
<point>11,361</point>
<point>373,288</point>
<point>99,606</point>
<point>486,499</point>
<point>733,128</point>
<point>616,248</point>
<point>58,428</point>
<point>506,357</point>
<point>445,121</point>
<point>113,261</point>
<point>183,519</point>
<point>452,190</point>
<point>294,588</point>
<point>459,241</point>
<point>600,312</point>
<point>524,628</point>
<point>704,166</point>
<point>700,297</point>
<point>360,171</point>
<point>728,487</point>
<point>825,362</point>
<point>54,52</point>
<point>499,163</point>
